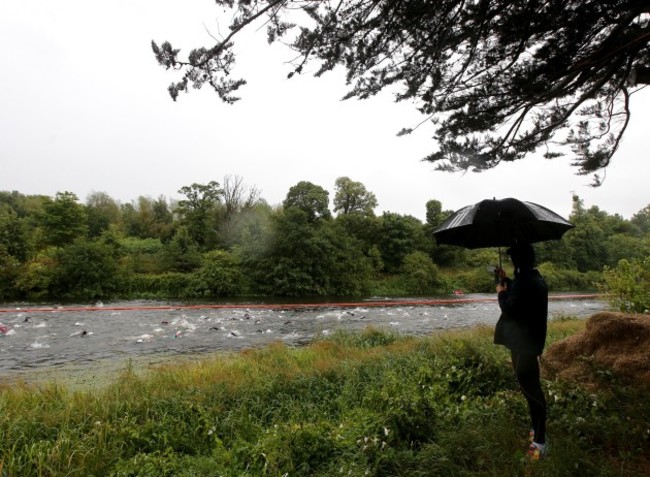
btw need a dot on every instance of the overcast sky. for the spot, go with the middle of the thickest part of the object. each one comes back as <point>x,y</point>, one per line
<point>84,107</point>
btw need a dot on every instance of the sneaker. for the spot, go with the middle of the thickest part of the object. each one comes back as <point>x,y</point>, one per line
<point>537,452</point>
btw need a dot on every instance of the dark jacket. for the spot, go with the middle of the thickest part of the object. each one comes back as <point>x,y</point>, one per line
<point>524,310</point>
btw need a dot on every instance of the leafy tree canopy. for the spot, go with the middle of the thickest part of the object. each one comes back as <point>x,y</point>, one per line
<point>352,196</point>
<point>498,79</point>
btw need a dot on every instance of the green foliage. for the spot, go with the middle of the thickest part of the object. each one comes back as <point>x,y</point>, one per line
<point>84,269</point>
<point>399,236</point>
<point>421,274</point>
<point>169,284</point>
<point>288,251</point>
<point>625,246</point>
<point>101,212</point>
<point>64,219</point>
<point>304,259</point>
<point>352,197</point>
<point>369,403</point>
<point>35,276</point>
<point>628,285</point>
<point>473,280</point>
<point>143,255</point>
<point>312,199</point>
<point>521,72</point>
<point>198,211</point>
<point>15,236</point>
<point>9,267</point>
<point>561,279</point>
<point>181,254</point>
<point>220,275</point>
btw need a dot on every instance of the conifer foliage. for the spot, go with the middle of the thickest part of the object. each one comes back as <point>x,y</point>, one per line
<point>499,79</point>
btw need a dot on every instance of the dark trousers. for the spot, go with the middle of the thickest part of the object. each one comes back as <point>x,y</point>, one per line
<point>526,368</point>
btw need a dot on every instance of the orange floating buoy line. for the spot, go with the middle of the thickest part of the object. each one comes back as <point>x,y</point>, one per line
<point>281,306</point>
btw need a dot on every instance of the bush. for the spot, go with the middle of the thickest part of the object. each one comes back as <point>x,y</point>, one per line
<point>562,279</point>
<point>85,269</point>
<point>628,285</point>
<point>220,274</point>
<point>170,284</point>
<point>421,274</point>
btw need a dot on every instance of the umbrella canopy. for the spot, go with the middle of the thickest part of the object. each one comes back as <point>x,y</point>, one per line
<point>501,223</point>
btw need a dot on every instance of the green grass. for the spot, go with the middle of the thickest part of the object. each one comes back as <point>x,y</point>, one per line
<point>358,404</point>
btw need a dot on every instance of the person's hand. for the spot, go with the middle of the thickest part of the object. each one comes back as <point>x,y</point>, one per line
<point>502,287</point>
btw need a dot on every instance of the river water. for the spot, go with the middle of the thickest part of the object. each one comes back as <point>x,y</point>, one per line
<point>44,337</point>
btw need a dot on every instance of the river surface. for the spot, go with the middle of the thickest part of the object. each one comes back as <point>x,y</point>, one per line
<point>42,337</point>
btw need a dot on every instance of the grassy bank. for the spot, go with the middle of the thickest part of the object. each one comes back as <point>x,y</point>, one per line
<point>371,403</point>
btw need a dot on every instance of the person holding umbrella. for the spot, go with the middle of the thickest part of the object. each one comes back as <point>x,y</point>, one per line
<point>522,329</point>
<point>523,300</point>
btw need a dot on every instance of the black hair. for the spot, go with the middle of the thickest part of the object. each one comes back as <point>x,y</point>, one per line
<point>522,255</point>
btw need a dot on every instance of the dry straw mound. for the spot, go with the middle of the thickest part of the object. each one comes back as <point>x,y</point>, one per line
<point>615,342</point>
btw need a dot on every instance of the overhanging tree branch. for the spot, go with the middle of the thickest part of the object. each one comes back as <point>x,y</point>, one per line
<point>476,68</point>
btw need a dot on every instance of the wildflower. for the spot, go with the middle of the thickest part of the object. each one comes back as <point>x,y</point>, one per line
<point>463,397</point>
<point>386,431</point>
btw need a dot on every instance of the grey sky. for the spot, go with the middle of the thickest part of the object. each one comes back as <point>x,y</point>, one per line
<point>84,107</point>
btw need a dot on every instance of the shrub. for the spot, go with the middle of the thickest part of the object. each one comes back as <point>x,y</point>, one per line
<point>170,284</point>
<point>220,274</point>
<point>421,274</point>
<point>628,285</point>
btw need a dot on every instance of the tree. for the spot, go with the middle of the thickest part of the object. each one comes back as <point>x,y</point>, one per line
<point>84,269</point>
<point>628,285</point>
<point>220,274</point>
<point>307,258</point>
<point>239,209</point>
<point>499,79</point>
<point>14,236</point>
<point>197,210</point>
<point>163,219</point>
<point>441,254</point>
<point>400,236</point>
<point>310,198</point>
<point>101,211</point>
<point>237,196</point>
<point>421,274</point>
<point>642,220</point>
<point>587,239</point>
<point>64,219</point>
<point>353,197</point>
<point>181,254</point>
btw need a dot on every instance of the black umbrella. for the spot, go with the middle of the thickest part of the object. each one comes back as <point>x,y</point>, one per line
<point>501,223</point>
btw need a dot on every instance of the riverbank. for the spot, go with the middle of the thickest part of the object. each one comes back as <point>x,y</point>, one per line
<point>356,403</point>
<point>96,375</point>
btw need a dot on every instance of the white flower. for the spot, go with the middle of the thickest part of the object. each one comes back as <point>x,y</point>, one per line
<point>386,431</point>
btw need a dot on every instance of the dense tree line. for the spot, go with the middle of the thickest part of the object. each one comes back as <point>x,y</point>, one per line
<point>224,240</point>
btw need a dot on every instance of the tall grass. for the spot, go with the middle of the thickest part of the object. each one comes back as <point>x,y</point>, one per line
<point>358,404</point>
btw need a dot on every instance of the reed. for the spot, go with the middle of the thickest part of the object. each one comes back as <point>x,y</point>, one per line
<point>370,403</point>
